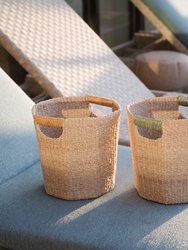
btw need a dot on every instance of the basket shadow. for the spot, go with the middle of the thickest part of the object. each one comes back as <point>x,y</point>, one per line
<point>126,220</point>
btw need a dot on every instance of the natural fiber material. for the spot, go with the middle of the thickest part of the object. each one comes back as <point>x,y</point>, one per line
<point>77,149</point>
<point>160,158</point>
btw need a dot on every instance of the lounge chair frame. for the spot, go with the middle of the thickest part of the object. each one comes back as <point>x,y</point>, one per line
<point>165,31</point>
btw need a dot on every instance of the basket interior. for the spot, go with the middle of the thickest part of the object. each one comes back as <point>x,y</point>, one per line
<point>60,109</point>
<point>165,109</point>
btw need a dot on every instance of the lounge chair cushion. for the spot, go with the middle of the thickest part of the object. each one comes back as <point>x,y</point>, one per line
<point>30,219</point>
<point>173,14</point>
<point>18,145</point>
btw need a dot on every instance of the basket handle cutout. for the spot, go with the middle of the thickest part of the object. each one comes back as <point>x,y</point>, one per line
<point>50,132</point>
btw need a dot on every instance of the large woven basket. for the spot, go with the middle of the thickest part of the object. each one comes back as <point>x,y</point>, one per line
<point>159,142</point>
<point>78,149</point>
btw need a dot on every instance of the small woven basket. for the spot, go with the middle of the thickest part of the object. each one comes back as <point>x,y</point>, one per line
<point>159,142</point>
<point>78,149</point>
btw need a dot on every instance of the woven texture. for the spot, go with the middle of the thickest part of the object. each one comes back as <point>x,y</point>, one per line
<point>160,157</point>
<point>63,54</point>
<point>78,151</point>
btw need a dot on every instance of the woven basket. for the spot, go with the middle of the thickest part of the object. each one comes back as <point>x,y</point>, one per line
<point>159,142</point>
<point>78,150</point>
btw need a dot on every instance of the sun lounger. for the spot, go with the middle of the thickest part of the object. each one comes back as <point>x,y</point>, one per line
<point>63,54</point>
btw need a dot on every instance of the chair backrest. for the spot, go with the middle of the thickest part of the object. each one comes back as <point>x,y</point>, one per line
<point>18,145</point>
<point>63,54</point>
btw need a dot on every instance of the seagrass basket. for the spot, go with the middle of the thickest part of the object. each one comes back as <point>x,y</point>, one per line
<point>159,143</point>
<point>78,149</point>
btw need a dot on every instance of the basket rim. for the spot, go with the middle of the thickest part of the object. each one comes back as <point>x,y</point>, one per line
<point>152,123</point>
<point>58,121</point>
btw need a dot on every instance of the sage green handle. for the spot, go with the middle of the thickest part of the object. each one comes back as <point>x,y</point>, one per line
<point>182,100</point>
<point>151,123</point>
<point>144,122</point>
